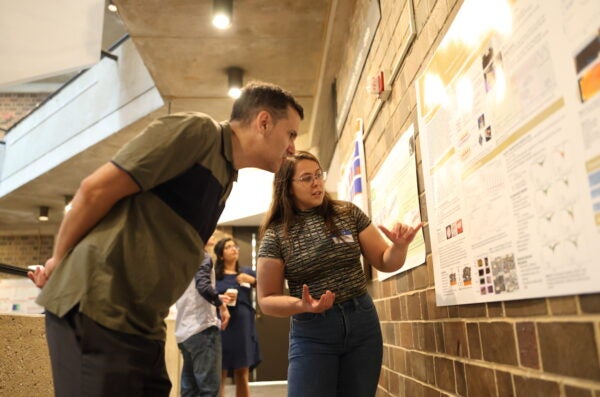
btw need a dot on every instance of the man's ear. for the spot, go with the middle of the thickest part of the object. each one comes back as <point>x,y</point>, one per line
<point>263,121</point>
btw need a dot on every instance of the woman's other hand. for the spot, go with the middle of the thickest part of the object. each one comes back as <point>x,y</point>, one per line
<point>245,278</point>
<point>313,305</point>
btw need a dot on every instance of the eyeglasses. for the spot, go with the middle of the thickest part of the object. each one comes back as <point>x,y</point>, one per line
<point>235,247</point>
<point>310,178</point>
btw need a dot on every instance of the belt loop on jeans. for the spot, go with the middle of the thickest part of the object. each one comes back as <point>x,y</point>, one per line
<point>351,303</point>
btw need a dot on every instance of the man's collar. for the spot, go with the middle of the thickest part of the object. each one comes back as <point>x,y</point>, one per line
<point>227,137</point>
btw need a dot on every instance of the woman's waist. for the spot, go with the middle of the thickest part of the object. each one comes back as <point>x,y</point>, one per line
<point>353,301</point>
<point>342,293</point>
<point>358,304</point>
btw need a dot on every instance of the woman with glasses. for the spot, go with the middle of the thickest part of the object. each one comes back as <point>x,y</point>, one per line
<point>315,243</point>
<point>239,339</point>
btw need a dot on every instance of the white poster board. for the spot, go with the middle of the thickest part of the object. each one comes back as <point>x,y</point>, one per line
<point>18,296</point>
<point>509,120</point>
<point>395,197</point>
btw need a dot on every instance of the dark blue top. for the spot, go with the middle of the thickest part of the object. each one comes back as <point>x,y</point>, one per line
<point>230,281</point>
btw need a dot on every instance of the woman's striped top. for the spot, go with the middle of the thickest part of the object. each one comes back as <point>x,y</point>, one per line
<point>313,256</point>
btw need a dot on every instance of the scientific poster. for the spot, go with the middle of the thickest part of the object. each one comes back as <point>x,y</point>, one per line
<point>509,120</point>
<point>395,197</point>
<point>18,296</point>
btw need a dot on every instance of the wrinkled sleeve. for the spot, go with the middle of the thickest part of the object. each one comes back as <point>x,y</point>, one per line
<point>204,285</point>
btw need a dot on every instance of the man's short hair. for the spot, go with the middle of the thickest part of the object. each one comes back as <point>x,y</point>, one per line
<point>258,96</point>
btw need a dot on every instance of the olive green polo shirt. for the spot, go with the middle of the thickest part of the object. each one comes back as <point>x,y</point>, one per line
<point>138,260</point>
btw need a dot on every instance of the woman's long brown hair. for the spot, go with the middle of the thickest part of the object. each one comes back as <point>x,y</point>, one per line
<point>282,207</point>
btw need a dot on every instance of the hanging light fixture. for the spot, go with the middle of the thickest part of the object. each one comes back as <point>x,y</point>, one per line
<point>222,12</point>
<point>68,200</point>
<point>43,214</point>
<point>112,7</point>
<point>235,81</point>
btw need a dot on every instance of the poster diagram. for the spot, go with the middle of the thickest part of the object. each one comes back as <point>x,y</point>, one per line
<point>395,197</point>
<point>352,182</point>
<point>509,120</point>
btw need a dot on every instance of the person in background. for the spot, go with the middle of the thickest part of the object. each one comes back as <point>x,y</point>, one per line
<point>315,243</point>
<point>197,332</point>
<point>129,246</point>
<point>241,353</point>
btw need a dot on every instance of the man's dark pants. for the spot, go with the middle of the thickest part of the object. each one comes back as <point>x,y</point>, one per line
<point>91,360</point>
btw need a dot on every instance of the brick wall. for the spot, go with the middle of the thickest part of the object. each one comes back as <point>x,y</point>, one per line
<point>23,251</point>
<point>15,106</point>
<point>538,347</point>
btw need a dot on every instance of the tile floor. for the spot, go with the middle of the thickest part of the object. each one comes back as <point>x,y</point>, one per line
<point>261,389</point>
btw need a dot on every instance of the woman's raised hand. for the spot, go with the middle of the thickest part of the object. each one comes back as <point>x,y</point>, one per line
<point>401,234</point>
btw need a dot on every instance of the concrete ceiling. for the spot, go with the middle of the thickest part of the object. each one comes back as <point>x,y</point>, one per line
<point>281,42</point>
<point>276,41</point>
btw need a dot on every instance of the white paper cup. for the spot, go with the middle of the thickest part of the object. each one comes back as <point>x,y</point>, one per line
<point>232,293</point>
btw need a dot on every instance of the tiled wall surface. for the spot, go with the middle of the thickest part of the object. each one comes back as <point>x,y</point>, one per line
<point>15,106</point>
<point>524,348</point>
<point>538,347</point>
<point>23,251</point>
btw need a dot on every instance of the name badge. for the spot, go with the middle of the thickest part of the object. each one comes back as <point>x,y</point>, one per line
<point>345,237</point>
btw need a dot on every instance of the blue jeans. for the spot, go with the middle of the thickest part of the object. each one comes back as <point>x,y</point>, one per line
<point>201,373</point>
<point>337,352</point>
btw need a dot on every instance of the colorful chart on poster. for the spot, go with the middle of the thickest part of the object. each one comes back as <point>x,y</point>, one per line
<point>351,186</point>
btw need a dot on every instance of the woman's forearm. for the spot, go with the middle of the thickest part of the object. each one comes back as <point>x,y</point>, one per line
<point>394,257</point>
<point>280,305</point>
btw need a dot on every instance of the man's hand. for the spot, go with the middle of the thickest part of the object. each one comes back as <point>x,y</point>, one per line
<point>224,298</point>
<point>225,316</point>
<point>41,274</point>
<point>311,305</point>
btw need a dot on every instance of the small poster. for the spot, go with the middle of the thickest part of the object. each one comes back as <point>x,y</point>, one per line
<point>395,197</point>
